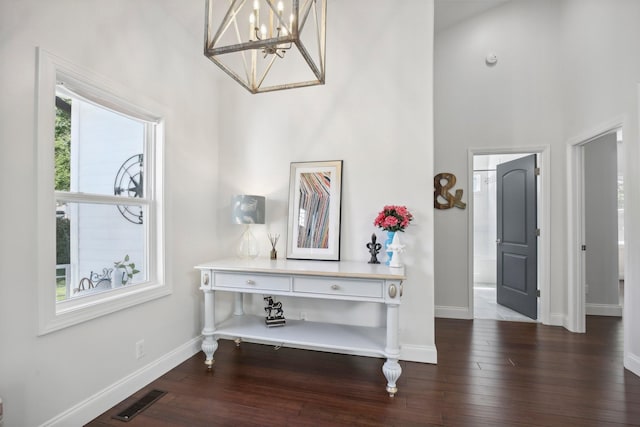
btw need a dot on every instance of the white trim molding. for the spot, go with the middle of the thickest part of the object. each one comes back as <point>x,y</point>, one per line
<point>544,223</point>
<point>453,312</point>
<point>558,319</point>
<point>53,316</point>
<point>614,310</point>
<point>632,363</point>
<point>93,406</point>
<point>576,307</point>
<point>419,353</point>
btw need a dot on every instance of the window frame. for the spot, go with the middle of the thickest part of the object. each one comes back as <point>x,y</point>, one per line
<point>54,315</point>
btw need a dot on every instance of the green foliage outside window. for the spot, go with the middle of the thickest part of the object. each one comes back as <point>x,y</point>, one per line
<point>62,180</point>
<point>62,158</point>
<point>62,241</point>
<point>63,149</point>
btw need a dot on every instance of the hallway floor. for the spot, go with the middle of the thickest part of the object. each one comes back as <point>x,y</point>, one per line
<point>489,374</point>
<point>486,307</point>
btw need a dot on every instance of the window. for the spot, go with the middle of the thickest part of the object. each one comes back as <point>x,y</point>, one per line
<point>99,159</point>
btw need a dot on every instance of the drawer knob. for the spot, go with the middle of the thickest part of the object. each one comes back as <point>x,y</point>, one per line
<point>335,287</point>
<point>250,282</point>
<point>205,279</point>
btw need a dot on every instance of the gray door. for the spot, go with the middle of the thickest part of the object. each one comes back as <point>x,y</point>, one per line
<point>516,236</point>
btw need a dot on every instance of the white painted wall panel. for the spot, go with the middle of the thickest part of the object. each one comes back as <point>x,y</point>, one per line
<point>602,72</point>
<point>375,114</point>
<point>564,67</point>
<point>515,103</point>
<point>144,46</point>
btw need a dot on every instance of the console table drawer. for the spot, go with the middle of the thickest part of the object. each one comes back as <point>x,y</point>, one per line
<point>329,286</point>
<point>251,281</point>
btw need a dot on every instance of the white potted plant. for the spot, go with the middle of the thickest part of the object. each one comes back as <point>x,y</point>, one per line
<point>123,271</point>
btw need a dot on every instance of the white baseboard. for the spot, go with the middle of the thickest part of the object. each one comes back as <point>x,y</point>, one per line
<point>632,363</point>
<point>603,310</point>
<point>453,312</point>
<point>558,319</point>
<point>105,399</point>
<point>419,353</point>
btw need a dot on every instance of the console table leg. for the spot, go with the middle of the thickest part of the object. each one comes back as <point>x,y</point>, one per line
<point>209,341</point>
<point>392,371</point>
<point>391,368</point>
<point>209,346</point>
<point>238,307</point>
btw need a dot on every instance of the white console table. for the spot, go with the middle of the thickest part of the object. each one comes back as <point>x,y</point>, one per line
<point>347,281</point>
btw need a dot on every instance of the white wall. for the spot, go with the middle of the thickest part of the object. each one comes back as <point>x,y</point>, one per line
<point>375,114</point>
<point>564,68</point>
<point>145,46</point>
<point>602,69</point>
<point>512,105</point>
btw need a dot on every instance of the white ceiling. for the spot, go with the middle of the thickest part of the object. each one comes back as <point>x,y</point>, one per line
<point>447,13</point>
<point>451,12</point>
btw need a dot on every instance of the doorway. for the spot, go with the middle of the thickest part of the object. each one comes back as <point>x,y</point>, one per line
<point>483,218</point>
<point>597,226</point>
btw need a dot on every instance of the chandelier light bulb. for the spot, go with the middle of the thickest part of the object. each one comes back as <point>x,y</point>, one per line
<point>280,7</point>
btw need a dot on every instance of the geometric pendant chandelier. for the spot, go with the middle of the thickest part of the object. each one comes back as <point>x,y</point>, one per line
<point>268,45</point>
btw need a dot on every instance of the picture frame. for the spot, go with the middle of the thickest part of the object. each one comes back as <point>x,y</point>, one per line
<point>315,199</point>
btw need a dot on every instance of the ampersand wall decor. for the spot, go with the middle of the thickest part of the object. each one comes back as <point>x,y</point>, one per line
<point>441,192</point>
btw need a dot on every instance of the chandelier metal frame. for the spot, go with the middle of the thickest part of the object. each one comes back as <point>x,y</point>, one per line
<point>272,48</point>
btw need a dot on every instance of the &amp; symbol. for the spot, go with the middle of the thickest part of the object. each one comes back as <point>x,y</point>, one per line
<point>442,198</point>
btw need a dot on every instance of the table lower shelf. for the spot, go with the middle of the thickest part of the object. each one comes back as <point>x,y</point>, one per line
<point>362,340</point>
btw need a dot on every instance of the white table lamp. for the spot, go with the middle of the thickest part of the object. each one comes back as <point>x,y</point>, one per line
<point>247,209</point>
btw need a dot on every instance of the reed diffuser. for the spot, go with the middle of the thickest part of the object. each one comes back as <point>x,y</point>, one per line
<point>273,238</point>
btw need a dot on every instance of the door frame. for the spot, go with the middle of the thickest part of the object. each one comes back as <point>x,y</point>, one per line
<point>544,214</point>
<point>576,299</point>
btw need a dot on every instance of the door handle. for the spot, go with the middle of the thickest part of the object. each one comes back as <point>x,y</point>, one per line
<point>498,241</point>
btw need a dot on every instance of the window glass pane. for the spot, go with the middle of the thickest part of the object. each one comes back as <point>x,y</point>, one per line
<point>98,151</point>
<point>98,248</point>
<point>63,143</point>
<point>102,179</point>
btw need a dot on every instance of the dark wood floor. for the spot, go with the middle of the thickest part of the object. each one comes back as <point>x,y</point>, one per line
<point>490,373</point>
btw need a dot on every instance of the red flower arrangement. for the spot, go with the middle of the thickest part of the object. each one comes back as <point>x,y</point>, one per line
<point>393,218</point>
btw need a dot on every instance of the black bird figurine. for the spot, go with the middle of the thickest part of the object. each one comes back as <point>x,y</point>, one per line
<point>374,248</point>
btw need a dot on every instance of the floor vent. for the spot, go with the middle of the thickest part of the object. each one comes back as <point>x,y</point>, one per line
<point>140,405</point>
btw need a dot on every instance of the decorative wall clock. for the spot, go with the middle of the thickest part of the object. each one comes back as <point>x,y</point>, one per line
<point>128,182</point>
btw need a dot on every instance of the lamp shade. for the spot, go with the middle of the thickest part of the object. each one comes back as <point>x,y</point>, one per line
<point>247,209</point>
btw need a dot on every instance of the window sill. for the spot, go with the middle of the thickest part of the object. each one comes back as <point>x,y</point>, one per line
<point>78,310</point>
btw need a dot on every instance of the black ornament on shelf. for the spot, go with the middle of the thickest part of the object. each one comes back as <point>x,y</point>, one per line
<point>275,314</point>
<point>374,248</point>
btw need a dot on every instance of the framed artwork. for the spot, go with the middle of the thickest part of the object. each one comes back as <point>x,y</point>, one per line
<point>315,195</point>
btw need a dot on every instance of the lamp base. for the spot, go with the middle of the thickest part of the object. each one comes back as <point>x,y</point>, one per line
<point>248,246</point>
